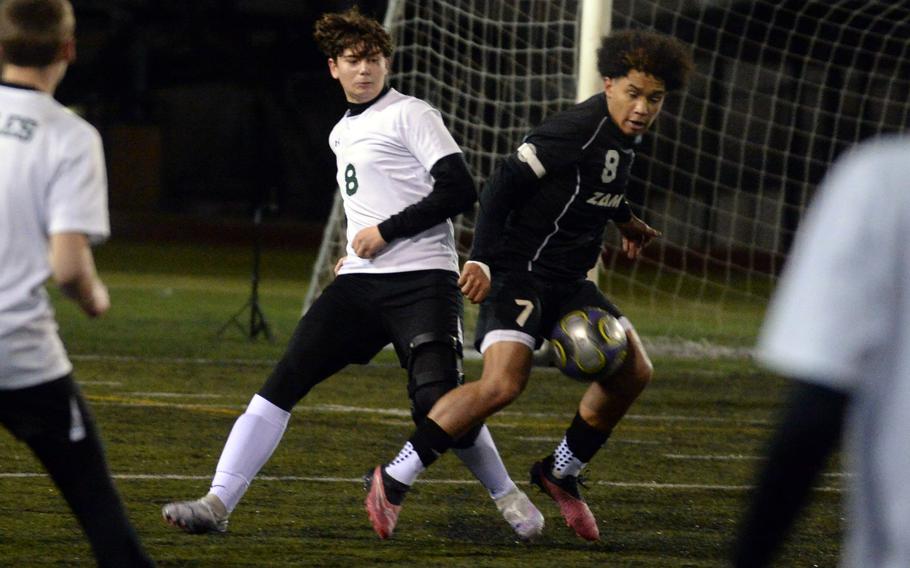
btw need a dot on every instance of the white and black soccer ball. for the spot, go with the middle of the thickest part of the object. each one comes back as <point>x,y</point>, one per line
<point>588,344</point>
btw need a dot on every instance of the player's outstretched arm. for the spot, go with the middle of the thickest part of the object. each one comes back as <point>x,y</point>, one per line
<point>636,234</point>
<point>73,269</point>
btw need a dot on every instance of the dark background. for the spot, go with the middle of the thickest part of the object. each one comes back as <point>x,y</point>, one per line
<point>208,108</point>
<point>211,108</point>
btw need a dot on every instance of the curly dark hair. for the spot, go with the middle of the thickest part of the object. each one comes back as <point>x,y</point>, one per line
<point>336,32</point>
<point>663,56</point>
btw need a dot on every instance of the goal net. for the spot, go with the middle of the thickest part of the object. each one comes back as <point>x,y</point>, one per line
<point>779,90</point>
<point>492,68</point>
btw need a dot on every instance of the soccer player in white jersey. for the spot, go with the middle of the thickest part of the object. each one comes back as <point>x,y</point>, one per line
<point>403,178</point>
<point>839,325</point>
<point>53,203</point>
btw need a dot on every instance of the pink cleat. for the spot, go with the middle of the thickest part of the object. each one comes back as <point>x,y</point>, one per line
<point>383,514</point>
<point>565,492</point>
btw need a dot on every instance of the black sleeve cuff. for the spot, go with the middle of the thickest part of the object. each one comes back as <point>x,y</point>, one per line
<point>623,213</point>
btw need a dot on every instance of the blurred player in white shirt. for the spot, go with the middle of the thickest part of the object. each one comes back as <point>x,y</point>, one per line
<point>839,324</point>
<point>403,178</point>
<point>53,204</point>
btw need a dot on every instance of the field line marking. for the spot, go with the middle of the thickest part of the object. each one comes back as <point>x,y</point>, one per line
<point>152,394</point>
<point>668,417</point>
<point>359,480</point>
<point>556,439</point>
<point>729,457</point>
<point>656,346</point>
<point>177,360</point>
<point>126,400</point>
<point>145,403</point>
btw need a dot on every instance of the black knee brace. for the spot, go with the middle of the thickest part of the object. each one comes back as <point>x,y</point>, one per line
<point>434,368</point>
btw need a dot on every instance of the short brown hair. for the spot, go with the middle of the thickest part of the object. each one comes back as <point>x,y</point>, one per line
<point>335,33</point>
<point>33,31</point>
<point>663,56</point>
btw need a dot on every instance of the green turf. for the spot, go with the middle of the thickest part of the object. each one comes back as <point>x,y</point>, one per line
<point>165,390</point>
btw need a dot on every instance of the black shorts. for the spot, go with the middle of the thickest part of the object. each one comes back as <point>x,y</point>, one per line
<point>523,302</point>
<point>359,314</point>
<point>355,317</point>
<point>54,410</point>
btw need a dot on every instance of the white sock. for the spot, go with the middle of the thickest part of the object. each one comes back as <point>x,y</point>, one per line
<point>252,440</point>
<point>406,466</point>
<point>485,463</point>
<point>565,463</point>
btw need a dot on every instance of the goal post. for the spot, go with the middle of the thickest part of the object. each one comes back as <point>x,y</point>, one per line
<point>595,23</point>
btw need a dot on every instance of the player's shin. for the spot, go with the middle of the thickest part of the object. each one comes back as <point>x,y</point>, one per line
<point>424,447</point>
<point>387,485</point>
<point>254,437</point>
<point>579,445</point>
<point>557,475</point>
<point>483,459</point>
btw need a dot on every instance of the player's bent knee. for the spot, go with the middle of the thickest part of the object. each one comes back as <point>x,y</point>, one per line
<point>424,397</point>
<point>434,368</point>
<point>638,368</point>
<point>641,380</point>
<point>499,392</point>
<point>644,370</point>
<point>634,377</point>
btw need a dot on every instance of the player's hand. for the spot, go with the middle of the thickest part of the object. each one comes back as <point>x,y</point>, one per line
<point>368,242</point>
<point>474,282</point>
<point>636,234</point>
<point>100,301</point>
<point>338,264</point>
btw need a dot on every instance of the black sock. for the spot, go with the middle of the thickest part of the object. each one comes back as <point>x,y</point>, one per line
<point>430,441</point>
<point>583,439</point>
<point>395,491</point>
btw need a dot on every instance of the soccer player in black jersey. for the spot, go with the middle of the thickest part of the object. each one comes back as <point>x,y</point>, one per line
<point>540,230</point>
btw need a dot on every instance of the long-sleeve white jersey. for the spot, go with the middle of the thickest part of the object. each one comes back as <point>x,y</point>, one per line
<point>384,156</point>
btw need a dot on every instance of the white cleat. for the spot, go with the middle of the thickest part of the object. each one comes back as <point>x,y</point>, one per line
<point>197,517</point>
<point>521,514</point>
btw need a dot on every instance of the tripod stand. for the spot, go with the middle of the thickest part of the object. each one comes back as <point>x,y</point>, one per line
<point>258,323</point>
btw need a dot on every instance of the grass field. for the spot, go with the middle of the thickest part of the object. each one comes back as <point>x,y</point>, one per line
<point>668,488</point>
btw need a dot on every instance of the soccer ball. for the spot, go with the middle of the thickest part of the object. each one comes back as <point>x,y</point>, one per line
<point>588,344</point>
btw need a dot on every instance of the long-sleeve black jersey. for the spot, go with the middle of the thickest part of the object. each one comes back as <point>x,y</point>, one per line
<point>545,208</point>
